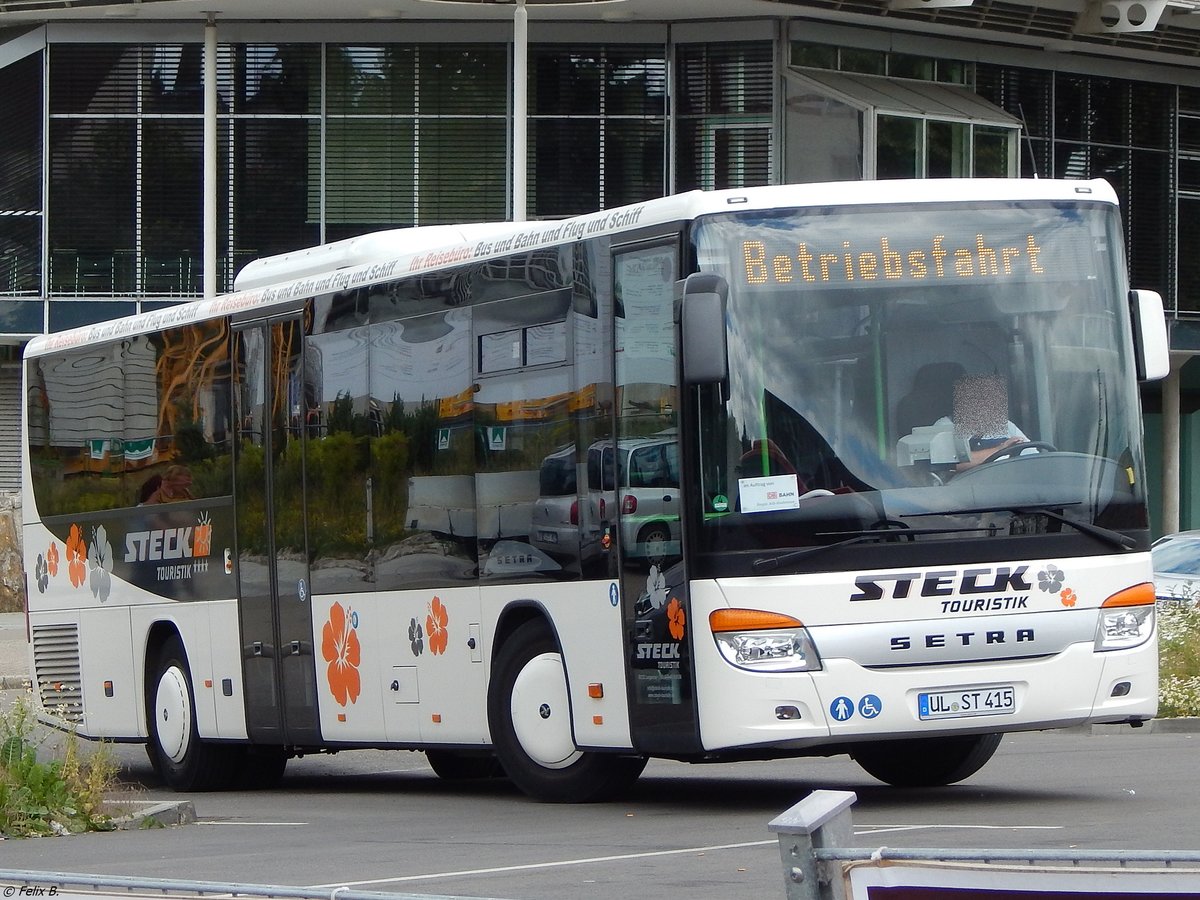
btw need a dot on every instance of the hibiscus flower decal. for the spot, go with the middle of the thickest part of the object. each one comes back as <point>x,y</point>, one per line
<point>41,574</point>
<point>1051,579</point>
<point>340,647</point>
<point>76,556</point>
<point>435,627</point>
<point>52,559</point>
<point>676,618</point>
<point>1068,597</point>
<point>416,637</point>
<point>100,564</point>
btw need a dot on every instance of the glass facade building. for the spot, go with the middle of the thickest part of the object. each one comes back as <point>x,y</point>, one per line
<point>326,133</point>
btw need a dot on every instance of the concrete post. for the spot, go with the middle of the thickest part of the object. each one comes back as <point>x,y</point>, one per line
<point>1171,481</point>
<point>822,819</point>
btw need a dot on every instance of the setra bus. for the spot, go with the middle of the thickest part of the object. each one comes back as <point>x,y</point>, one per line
<point>888,497</point>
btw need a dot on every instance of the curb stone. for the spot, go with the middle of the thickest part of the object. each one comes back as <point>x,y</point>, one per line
<point>158,814</point>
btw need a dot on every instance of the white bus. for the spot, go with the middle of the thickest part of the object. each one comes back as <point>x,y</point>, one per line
<point>907,514</point>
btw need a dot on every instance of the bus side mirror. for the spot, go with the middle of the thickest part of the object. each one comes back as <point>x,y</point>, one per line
<point>1152,351</point>
<point>704,353</point>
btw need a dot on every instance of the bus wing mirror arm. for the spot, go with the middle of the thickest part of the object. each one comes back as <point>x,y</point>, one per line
<point>704,351</point>
<point>1151,346</point>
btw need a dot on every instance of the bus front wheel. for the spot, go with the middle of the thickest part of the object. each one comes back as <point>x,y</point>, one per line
<point>926,762</point>
<point>185,762</point>
<point>530,719</point>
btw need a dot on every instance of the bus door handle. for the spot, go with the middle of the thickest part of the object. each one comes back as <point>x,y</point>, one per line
<point>295,648</point>
<point>667,498</point>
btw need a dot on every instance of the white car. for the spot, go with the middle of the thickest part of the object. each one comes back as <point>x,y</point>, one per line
<point>1176,560</point>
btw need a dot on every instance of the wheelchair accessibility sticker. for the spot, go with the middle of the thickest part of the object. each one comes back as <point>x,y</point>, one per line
<point>842,708</point>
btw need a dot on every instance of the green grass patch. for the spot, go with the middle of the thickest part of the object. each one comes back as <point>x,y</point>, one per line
<point>1178,661</point>
<point>48,787</point>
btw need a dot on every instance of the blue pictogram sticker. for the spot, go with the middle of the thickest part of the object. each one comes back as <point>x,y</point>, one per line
<point>870,706</point>
<point>613,596</point>
<point>842,709</point>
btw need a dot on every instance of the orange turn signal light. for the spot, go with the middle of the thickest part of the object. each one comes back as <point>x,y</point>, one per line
<point>721,620</point>
<point>1138,595</point>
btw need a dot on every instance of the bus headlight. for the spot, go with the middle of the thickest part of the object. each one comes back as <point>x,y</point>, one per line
<point>763,642</point>
<point>1126,618</point>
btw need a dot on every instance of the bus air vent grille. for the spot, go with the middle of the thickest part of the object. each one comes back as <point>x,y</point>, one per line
<point>56,667</point>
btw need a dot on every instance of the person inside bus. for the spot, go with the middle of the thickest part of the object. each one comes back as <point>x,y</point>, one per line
<point>176,485</point>
<point>980,418</point>
<point>148,489</point>
<point>966,413</point>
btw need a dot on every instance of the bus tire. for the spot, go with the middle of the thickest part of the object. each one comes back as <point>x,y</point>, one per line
<point>926,762</point>
<point>180,757</point>
<point>530,719</point>
<point>452,765</point>
<point>260,767</point>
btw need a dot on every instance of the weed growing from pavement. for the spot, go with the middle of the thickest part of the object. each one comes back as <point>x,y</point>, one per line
<point>1179,660</point>
<point>48,789</point>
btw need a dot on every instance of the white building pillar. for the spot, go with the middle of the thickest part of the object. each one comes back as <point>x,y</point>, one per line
<point>520,117</point>
<point>211,274</point>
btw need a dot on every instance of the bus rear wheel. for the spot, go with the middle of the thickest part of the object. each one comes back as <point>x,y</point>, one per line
<point>179,756</point>
<point>926,762</point>
<point>530,719</point>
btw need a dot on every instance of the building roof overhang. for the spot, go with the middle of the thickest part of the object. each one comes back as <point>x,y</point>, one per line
<point>1162,31</point>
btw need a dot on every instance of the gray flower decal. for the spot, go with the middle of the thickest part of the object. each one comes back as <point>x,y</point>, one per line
<point>416,637</point>
<point>41,572</point>
<point>100,564</point>
<point>1051,579</point>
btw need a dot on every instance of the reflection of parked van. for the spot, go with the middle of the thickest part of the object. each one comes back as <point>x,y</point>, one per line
<point>563,526</point>
<point>649,504</point>
<point>647,472</point>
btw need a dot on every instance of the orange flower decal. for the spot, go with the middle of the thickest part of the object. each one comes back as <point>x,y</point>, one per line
<point>76,556</point>
<point>676,618</point>
<point>1068,597</point>
<point>340,647</point>
<point>52,559</point>
<point>435,627</point>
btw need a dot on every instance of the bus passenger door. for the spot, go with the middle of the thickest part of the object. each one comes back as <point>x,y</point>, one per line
<point>654,600</point>
<point>273,394</point>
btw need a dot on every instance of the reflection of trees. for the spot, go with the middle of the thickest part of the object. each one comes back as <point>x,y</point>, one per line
<point>191,363</point>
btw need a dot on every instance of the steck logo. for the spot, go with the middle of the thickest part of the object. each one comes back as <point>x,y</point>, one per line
<point>941,583</point>
<point>158,544</point>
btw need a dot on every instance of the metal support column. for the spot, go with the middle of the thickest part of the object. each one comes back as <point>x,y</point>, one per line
<point>211,274</point>
<point>820,820</point>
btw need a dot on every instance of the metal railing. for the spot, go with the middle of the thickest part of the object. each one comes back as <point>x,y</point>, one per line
<point>816,837</point>
<point>30,881</point>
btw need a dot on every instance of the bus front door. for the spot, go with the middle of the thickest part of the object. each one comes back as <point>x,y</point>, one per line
<point>273,396</point>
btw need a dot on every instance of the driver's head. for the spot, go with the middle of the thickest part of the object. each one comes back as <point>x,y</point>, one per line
<point>981,406</point>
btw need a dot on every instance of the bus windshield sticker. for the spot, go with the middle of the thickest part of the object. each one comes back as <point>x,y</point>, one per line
<point>769,493</point>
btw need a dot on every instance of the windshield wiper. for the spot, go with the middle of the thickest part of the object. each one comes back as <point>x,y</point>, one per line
<point>768,563</point>
<point>1113,538</point>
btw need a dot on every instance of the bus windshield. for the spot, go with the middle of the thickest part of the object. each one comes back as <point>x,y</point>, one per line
<point>927,374</point>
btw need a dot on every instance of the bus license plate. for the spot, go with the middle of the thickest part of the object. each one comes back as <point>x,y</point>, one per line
<point>986,701</point>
